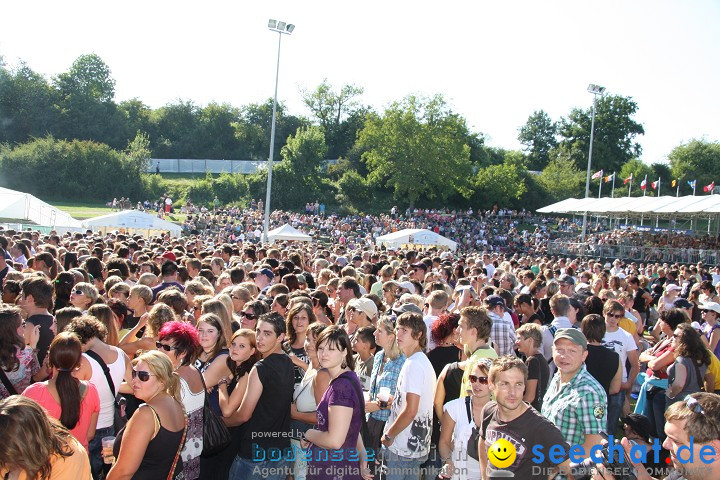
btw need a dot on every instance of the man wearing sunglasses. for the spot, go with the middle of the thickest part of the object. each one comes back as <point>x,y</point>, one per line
<point>624,345</point>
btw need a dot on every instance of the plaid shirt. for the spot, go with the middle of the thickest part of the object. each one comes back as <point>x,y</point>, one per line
<point>577,408</point>
<point>502,334</point>
<point>388,378</point>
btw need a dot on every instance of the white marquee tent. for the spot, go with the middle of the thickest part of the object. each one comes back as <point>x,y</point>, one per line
<point>23,208</point>
<point>414,238</point>
<point>666,206</point>
<point>286,232</point>
<point>132,222</point>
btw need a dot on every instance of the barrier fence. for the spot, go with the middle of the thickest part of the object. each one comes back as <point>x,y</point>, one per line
<point>634,253</point>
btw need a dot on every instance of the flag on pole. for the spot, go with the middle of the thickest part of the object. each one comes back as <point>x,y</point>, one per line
<point>709,188</point>
<point>692,184</point>
<point>609,178</point>
<point>655,184</point>
<point>597,175</point>
<point>627,179</point>
<point>643,184</point>
<point>674,183</point>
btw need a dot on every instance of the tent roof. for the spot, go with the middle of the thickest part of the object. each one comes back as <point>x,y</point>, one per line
<point>419,236</point>
<point>287,232</point>
<point>22,207</point>
<point>667,205</point>
<point>133,219</point>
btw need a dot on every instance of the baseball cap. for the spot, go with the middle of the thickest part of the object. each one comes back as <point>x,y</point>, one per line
<point>682,303</point>
<point>572,334</point>
<point>640,423</point>
<point>407,307</point>
<point>494,301</point>
<point>265,271</point>
<point>711,306</point>
<point>419,265</point>
<point>566,279</point>
<point>342,261</point>
<point>364,305</point>
<point>407,285</point>
<point>671,287</point>
<point>169,256</point>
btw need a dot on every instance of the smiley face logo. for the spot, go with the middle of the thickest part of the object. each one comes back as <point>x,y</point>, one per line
<point>502,453</point>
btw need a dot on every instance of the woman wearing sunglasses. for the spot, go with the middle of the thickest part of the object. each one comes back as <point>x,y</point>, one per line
<point>459,418</point>
<point>149,445</point>
<point>251,312</point>
<point>179,341</point>
<point>83,296</point>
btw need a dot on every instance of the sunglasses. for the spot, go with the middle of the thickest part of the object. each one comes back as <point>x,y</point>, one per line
<point>480,380</point>
<point>249,316</point>
<point>616,315</point>
<point>164,346</point>
<point>78,292</point>
<point>694,405</point>
<point>142,375</point>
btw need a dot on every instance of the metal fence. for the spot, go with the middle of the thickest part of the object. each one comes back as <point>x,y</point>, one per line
<point>635,253</point>
<point>186,165</point>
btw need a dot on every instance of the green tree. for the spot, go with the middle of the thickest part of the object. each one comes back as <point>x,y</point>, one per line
<point>561,179</point>
<point>305,152</point>
<point>176,127</point>
<point>696,160</point>
<point>539,136</point>
<point>417,148</point>
<point>503,184</point>
<point>615,132</point>
<point>639,172</point>
<point>27,105</point>
<point>339,113</point>
<point>354,191</point>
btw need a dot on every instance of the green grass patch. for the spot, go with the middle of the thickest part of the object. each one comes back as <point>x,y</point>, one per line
<point>81,210</point>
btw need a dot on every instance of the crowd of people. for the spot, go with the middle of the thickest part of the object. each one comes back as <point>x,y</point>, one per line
<point>215,356</point>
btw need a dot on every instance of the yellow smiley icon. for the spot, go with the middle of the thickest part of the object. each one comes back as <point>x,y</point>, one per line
<point>502,453</point>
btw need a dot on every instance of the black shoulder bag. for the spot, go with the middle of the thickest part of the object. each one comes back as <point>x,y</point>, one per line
<point>472,445</point>
<point>120,417</point>
<point>216,436</point>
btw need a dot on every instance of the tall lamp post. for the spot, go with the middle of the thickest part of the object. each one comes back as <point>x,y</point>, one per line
<point>281,28</point>
<point>595,90</point>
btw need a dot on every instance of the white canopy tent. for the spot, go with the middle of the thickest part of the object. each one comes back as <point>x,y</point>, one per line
<point>286,232</point>
<point>412,238</point>
<point>132,222</point>
<point>667,206</point>
<point>23,208</point>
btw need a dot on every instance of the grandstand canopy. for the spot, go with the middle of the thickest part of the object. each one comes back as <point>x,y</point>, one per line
<point>687,206</point>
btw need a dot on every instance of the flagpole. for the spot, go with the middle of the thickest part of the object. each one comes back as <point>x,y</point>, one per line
<point>612,193</point>
<point>600,188</point>
<point>644,189</point>
<point>694,185</point>
<point>677,194</point>
<point>659,187</point>
<point>630,188</point>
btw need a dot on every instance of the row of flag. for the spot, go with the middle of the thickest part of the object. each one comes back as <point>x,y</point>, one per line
<point>654,185</point>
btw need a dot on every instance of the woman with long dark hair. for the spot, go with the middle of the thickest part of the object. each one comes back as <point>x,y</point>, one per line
<point>64,284</point>
<point>36,446</point>
<point>18,363</point>
<point>75,403</point>
<point>692,358</point>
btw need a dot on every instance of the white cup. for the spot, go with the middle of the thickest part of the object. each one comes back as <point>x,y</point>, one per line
<point>383,396</point>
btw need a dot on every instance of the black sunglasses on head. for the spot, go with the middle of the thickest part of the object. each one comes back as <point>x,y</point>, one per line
<point>165,347</point>
<point>78,292</point>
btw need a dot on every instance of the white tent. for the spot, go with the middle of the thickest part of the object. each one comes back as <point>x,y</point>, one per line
<point>412,238</point>
<point>132,222</point>
<point>687,206</point>
<point>286,232</point>
<point>23,208</point>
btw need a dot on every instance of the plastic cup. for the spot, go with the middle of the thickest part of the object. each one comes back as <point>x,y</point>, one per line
<point>383,396</point>
<point>107,450</point>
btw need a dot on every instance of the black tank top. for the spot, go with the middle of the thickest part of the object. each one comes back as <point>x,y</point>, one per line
<point>160,453</point>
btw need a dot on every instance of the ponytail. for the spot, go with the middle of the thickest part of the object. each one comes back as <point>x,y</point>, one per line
<point>64,354</point>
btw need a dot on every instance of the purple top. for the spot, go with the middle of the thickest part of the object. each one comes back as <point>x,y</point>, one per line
<point>343,463</point>
<point>707,331</point>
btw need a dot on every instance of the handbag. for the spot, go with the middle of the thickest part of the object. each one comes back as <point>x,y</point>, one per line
<point>120,416</point>
<point>171,474</point>
<point>472,445</point>
<point>216,435</point>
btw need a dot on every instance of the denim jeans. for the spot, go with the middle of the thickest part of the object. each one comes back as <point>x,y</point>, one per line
<point>243,468</point>
<point>615,404</point>
<point>656,414</point>
<point>95,450</point>
<point>402,468</point>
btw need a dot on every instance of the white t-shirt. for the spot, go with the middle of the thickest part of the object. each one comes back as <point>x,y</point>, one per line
<point>429,319</point>
<point>416,376</point>
<point>622,343</point>
<point>107,397</point>
<point>466,467</point>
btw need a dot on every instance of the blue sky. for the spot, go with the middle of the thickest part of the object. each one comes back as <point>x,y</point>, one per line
<point>495,62</point>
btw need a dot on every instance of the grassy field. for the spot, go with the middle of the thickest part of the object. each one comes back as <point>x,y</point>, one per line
<point>82,210</point>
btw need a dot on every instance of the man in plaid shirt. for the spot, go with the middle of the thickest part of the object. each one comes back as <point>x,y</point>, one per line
<point>502,332</point>
<point>575,402</point>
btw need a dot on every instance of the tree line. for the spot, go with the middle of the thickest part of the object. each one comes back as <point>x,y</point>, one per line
<point>416,151</point>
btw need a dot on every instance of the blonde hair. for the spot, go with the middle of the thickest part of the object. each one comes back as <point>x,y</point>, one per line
<point>142,291</point>
<point>218,308</point>
<point>161,366</point>
<point>106,316</point>
<point>159,316</point>
<point>388,324</point>
<point>89,291</point>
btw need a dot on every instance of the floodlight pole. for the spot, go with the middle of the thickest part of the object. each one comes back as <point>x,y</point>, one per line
<point>280,31</point>
<point>595,90</point>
